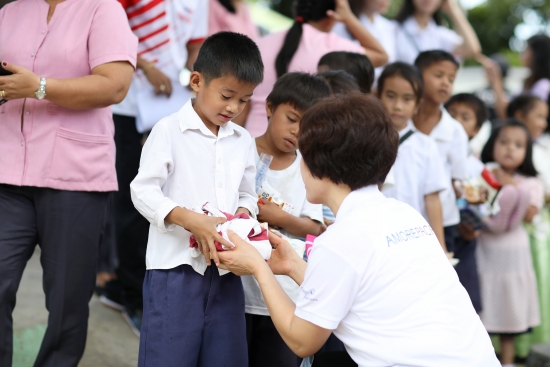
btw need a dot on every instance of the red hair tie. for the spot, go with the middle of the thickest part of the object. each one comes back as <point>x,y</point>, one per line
<point>300,19</point>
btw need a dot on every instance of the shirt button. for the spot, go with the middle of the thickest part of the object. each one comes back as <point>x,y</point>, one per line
<point>27,113</point>
<point>32,55</point>
<point>43,32</point>
<point>22,144</point>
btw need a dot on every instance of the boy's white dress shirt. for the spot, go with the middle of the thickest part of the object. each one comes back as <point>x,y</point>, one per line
<point>289,183</point>
<point>452,143</point>
<point>184,164</point>
<point>379,278</point>
<point>418,170</point>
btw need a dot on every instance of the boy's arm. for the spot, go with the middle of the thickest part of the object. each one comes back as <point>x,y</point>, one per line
<point>435,217</point>
<point>296,226</point>
<point>248,199</point>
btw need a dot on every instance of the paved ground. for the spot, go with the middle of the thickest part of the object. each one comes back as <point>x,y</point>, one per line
<point>110,341</point>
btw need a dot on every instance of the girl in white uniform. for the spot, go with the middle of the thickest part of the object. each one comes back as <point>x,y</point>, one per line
<point>377,277</point>
<point>420,29</point>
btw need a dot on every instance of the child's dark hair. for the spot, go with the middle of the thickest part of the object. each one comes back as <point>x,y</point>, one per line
<point>227,4</point>
<point>540,69</point>
<point>407,10</point>
<point>522,103</point>
<point>339,81</point>
<point>527,168</point>
<point>228,53</point>
<point>306,10</point>
<point>474,102</point>
<point>349,139</point>
<point>301,90</point>
<point>357,65</point>
<point>428,58</point>
<point>406,71</point>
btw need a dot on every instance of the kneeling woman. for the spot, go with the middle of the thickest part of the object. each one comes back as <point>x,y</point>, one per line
<point>377,277</point>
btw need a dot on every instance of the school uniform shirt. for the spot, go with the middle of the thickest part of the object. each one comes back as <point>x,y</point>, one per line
<point>541,157</point>
<point>288,182</point>
<point>164,28</point>
<point>380,280</point>
<point>418,171</point>
<point>313,45</point>
<point>412,39</point>
<point>452,143</point>
<point>184,164</point>
<point>381,28</point>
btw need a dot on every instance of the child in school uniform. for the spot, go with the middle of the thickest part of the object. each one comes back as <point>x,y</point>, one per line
<point>438,70</point>
<point>232,16</point>
<point>357,65</point>
<point>507,278</point>
<point>194,313</point>
<point>471,112</point>
<point>292,95</point>
<point>418,170</point>
<point>302,46</point>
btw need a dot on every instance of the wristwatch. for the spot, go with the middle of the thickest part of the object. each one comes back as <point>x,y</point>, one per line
<point>41,92</point>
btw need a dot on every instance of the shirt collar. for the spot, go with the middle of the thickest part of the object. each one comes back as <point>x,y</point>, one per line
<point>411,25</point>
<point>444,129</point>
<point>359,198</point>
<point>190,120</point>
<point>408,128</point>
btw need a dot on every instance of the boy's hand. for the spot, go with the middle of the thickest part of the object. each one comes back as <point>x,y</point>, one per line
<point>204,229</point>
<point>467,231</point>
<point>271,213</point>
<point>342,12</point>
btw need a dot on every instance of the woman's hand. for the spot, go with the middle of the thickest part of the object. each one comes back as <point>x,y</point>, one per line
<point>159,81</point>
<point>242,259</point>
<point>342,12</point>
<point>23,83</point>
<point>283,257</point>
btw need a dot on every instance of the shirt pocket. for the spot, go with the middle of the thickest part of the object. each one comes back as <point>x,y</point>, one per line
<point>236,174</point>
<point>80,157</point>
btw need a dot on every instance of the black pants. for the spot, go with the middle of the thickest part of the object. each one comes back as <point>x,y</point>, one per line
<point>67,225</point>
<point>131,228</point>
<point>266,348</point>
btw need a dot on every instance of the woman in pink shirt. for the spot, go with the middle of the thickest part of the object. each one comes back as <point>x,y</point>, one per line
<point>231,16</point>
<point>302,46</point>
<point>70,61</point>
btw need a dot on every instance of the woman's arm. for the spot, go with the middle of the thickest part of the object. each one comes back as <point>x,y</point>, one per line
<point>471,46</point>
<point>107,85</point>
<point>374,51</point>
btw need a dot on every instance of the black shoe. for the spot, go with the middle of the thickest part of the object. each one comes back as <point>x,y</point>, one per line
<point>133,318</point>
<point>111,296</point>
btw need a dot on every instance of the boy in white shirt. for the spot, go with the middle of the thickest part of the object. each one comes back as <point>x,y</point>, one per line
<point>292,95</point>
<point>418,170</point>
<point>439,70</point>
<point>193,316</point>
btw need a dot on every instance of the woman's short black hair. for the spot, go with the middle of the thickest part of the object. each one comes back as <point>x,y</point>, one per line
<point>527,168</point>
<point>306,10</point>
<point>228,53</point>
<point>357,65</point>
<point>428,58</point>
<point>301,90</point>
<point>406,71</point>
<point>522,103</point>
<point>349,139</point>
<point>339,81</point>
<point>407,10</point>
<point>474,102</point>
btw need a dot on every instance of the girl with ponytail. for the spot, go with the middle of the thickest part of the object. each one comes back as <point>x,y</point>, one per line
<point>302,46</point>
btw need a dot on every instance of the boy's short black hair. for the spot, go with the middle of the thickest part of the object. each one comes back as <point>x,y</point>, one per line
<point>522,103</point>
<point>406,71</point>
<point>228,53</point>
<point>349,139</point>
<point>474,102</point>
<point>428,58</point>
<point>339,81</point>
<point>527,168</point>
<point>357,65</point>
<point>301,90</point>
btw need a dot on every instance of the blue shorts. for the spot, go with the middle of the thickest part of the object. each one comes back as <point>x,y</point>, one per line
<point>190,320</point>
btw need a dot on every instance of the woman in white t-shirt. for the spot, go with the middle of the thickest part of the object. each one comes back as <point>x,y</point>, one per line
<point>419,29</point>
<point>377,278</point>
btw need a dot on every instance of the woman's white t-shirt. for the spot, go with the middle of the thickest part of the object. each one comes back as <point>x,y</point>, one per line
<point>289,184</point>
<point>411,39</point>
<point>380,280</point>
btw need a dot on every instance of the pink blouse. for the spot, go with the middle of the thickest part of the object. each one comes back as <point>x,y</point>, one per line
<point>219,19</point>
<point>44,144</point>
<point>314,44</point>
